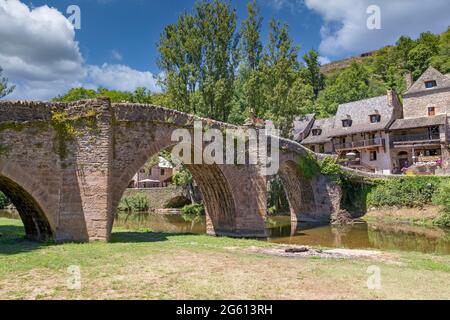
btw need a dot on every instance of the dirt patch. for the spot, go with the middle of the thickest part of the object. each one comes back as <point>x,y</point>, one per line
<point>308,252</point>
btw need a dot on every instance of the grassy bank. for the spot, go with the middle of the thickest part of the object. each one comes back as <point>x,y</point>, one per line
<point>163,266</point>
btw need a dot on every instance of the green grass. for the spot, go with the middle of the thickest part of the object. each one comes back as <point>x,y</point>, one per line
<point>145,265</point>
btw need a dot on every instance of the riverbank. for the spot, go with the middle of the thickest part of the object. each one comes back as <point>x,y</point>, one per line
<point>425,216</point>
<point>145,265</point>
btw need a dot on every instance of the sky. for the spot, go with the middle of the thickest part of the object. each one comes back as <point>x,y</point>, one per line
<point>44,55</point>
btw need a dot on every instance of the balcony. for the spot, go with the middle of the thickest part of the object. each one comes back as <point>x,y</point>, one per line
<point>416,139</point>
<point>360,145</point>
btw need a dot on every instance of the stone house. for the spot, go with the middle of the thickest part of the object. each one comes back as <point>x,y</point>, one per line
<point>383,135</point>
<point>360,133</point>
<point>421,137</point>
<point>319,137</point>
<point>158,176</point>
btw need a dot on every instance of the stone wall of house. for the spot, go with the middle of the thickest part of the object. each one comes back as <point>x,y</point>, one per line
<point>416,105</point>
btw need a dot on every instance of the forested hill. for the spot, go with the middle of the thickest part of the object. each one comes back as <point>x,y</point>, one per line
<point>364,77</point>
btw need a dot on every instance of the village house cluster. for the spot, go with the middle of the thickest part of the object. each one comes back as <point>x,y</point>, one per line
<point>386,135</point>
<point>157,176</point>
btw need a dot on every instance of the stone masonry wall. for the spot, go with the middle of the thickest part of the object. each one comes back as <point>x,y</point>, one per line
<point>73,162</point>
<point>416,106</point>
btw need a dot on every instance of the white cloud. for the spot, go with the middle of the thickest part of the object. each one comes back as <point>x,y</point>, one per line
<point>121,77</point>
<point>39,54</point>
<point>345,23</point>
<point>37,44</point>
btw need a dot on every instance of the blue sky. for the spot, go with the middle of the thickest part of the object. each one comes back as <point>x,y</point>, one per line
<point>132,28</point>
<point>44,56</point>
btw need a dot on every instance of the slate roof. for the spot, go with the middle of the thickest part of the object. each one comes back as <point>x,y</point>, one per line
<point>359,112</point>
<point>419,122</point>
<point>443,82</point>
<point>326,125</point>
<point>302,125</point>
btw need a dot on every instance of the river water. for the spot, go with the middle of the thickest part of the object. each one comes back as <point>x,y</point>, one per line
<point>360,235</point>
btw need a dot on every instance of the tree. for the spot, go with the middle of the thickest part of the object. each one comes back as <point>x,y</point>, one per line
<point>419,59</point>
<point>352,84</point>
<point>442,60</point>
<point>140,95</point>
<point>5,89</point>
<point>249,91</point>
<point>76,94</point>
<point>313,75</point>
<point>180,49</point>
<point>199,56</point>
<point>251,45</point>
<point>280,70</point>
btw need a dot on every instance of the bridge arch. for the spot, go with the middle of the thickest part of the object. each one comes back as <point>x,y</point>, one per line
<point>30,201</point>
<point>299,190</point>
<point>220,206</point>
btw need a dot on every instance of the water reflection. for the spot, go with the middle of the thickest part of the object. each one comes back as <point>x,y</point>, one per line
<point>360,235</point>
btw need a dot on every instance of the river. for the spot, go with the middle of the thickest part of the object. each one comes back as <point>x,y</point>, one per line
<point>360,235</point>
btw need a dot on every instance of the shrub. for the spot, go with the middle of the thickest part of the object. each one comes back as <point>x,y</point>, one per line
<point>411,192</point>
<point>442,198</point>
<point>135,203</point>
<point>193,210</point>
<point>309,166</point>
<point>4,201</point>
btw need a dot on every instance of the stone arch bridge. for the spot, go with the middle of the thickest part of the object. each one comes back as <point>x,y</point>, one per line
<point>65,166</point>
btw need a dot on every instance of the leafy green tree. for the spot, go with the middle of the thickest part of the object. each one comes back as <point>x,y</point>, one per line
<point>140,95</point>
<point>313,74</point>
<point>180,49</point>
<point>280,69</point>
<point>5,89</point>
<point>199,56</point>
<point>419,59</point>
<point>442,60</point>
<point>248,89</point>
<point>4,201</point>
<point>352,84</point>
<point>76,94</point>
<point>251,45</point>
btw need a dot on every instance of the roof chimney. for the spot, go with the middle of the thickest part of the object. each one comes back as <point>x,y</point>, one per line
<point>409,80</point>
<point>394,102</point>
<point>393,99</point>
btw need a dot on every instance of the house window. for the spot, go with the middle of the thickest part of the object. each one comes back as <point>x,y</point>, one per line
<point>142,171</point>
<point>373,155</point>
<point>163,172</point>
<point>431,111</point>
<point>375,118</point>
<point>347,123</point>
<point>322,148</point>
<point>430,84</point>
<point>317,132</point>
